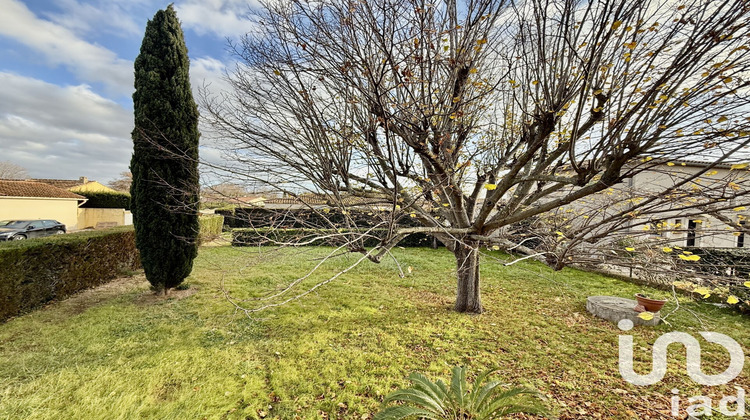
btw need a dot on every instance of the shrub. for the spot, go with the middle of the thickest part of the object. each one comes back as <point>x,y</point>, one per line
<point>261,217</point>
<point>722,262</point>
<point>210,227</point>
<point>36,271</point>
<point>106,200</point>
<point>326,237</point>
<point>457,401</point>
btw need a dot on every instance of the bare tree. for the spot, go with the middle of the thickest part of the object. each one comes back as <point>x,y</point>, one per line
<point>123,182</point>
<point>475,117</point>
<point>9,170</point>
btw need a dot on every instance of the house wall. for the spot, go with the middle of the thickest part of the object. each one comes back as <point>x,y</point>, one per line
<point>63,210</point>
<point>90,217</point>
<point>669,227</point>
<point>709,232</point>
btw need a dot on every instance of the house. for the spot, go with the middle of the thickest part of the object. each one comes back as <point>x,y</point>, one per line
<point>89,218</point>
<point>680,217</point>
<point>37,200</point>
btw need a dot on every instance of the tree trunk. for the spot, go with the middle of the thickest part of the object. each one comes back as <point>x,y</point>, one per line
<point>467,260</point>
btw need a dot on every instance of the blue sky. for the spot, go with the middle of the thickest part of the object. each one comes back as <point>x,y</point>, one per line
<point>66,67</point>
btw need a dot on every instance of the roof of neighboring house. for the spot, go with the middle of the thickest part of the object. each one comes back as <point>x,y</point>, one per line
<point>319,200</point>
<point>10,188</point>
<point>62,183</point>
<point>249,199</point>
<point>700,164</point>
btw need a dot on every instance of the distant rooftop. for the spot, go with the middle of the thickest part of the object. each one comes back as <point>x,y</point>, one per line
<point>63,183</point>
<point>11,188</point>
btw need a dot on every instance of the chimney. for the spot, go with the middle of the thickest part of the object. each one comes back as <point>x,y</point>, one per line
<point>83,180</point>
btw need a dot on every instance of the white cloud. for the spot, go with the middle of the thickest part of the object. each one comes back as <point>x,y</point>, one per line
<point>208,73</point>
<point>223,18</point>
<point>61,46</point>
<point>104,16</point>
<point>62,132</point>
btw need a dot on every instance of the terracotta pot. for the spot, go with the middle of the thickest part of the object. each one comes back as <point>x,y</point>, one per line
<point>651,305</point>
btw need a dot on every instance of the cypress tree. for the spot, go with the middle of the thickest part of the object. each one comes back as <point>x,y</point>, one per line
<point>164,192</point>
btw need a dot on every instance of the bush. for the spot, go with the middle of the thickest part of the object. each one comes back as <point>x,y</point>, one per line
<point>37,271</point>
<point>106,200</point>
<point>260,217</point>
<point>210,227</point>
<point>721,262</point>
<point>271,237</point>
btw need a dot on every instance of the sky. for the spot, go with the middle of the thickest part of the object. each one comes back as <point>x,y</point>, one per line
<point>66,71</point>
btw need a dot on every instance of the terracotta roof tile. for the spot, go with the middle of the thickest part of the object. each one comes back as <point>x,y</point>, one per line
<point>10,188</point>
<point>61,183</point>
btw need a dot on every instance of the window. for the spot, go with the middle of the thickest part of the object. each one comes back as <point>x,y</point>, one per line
<point>741,236</point>
<point>691,230</point>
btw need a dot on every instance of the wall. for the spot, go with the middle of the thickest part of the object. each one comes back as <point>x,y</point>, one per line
<point>64,210</point>
<point>710,232</point>
<point>88,218</point>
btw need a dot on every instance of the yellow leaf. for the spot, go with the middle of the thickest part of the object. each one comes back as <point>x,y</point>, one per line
<point>702,290</point>
<point>616,24</point>
<point>670,164</point>
<point>667,249</point>
<point>490,187</point>
<point>495,247</point>
<point>732,300</point>
<point>739,166</point>
<point>409,269</point>
<point>630,45</point>
<point>559,233</point>
<point>747,284</point>
<point>535,82</point>
<point>646,316</point>
<point>740,208</point>
<point>276,72</point>
<point>690,257</point>
<point>473,70</point>
<point>630,248</point>
<point>481,41</point>
<point>722,119</point>
<point>412,215</point>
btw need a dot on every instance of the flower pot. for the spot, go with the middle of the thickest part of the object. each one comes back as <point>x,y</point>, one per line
<point>651,305</point>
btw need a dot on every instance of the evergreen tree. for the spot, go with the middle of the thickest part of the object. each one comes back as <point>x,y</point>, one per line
<point>165,155</point>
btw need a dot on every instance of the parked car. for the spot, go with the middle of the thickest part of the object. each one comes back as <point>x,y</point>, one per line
<point>13,230</point>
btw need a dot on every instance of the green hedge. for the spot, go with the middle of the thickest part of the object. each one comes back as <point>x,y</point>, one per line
<point>723,262</point>
<point>270,237</point>
<point>210,227</point>
<point>37,271</point>
<point>106,200</point>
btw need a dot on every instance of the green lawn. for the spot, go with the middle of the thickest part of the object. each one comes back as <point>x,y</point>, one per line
<point>121,353</point>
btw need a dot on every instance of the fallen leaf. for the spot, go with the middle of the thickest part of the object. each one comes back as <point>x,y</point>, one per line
<point>646,316</point>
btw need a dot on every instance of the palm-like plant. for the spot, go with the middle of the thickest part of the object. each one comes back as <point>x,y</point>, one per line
<point>436,400</point>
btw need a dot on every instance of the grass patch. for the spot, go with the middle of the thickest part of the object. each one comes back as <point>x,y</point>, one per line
<point>337,352</point>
